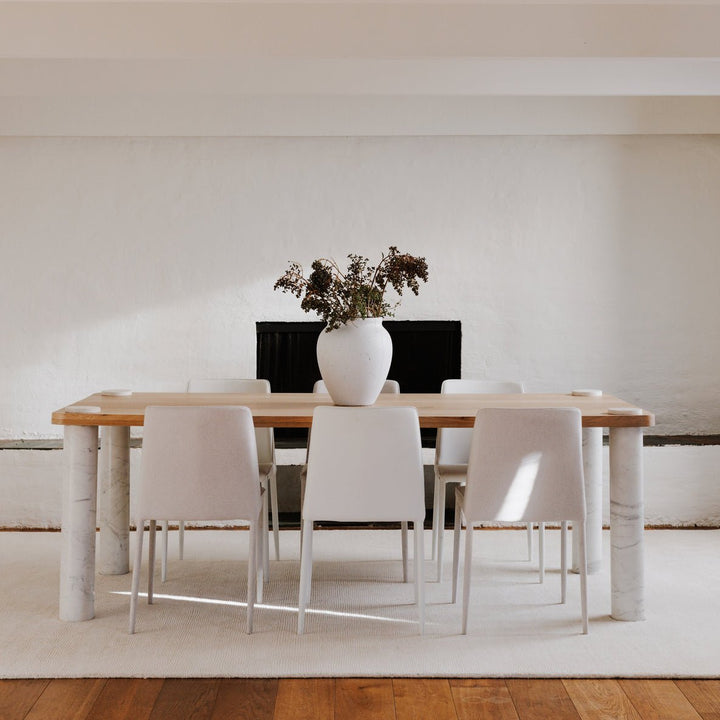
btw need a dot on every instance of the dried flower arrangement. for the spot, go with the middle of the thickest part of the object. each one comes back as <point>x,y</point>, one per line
<point>359,292</point>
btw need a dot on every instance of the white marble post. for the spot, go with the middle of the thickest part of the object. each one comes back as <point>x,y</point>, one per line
<point>114,501</point>
<point>592,469</point>
<point>627,570</point>
<point>77,563</point>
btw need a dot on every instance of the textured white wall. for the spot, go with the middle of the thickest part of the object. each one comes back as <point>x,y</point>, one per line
<point>571,261</point>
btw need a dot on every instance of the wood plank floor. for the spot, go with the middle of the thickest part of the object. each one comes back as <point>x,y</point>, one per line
<point>359,699</point>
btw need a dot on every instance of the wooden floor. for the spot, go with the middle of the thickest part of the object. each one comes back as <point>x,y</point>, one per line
<point>361,698</point>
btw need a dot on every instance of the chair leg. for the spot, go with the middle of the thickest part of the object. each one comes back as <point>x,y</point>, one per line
<point>259,566</point>
<point>466,576</point>
<point>404,544</point>
<point>252,580</point>
<point>563,561</point>
<point>305,574</point>
<point>456,545</point>
<point>163,557</point>
<point>541,551</point>
<point>181,539</point>
<point>181,546</point>
<point>151,560</point>
<point>583,577</point>
<point>274,510</point>
<point>419,558</point>
<point>309,556</point>
<point>136,575</point>
<point>530,541</point>
<point>435,521</point>
<point>265,540</point>
<point>303,475</point>
<point>441,529</point>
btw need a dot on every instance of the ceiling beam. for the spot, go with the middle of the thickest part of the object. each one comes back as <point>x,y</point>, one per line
<point>360,30</point>
<point>358,67</point>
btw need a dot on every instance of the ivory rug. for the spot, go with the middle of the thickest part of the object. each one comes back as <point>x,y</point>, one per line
<point>362,620</point>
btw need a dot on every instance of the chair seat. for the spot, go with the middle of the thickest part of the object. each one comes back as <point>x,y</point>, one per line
<point>457,472</point>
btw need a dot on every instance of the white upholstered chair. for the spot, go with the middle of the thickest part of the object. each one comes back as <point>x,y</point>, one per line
<point>199,463</point>
<point>451,457</point>
<point>389,386</point>
<point>364,465</point>
<point>265,441</point>
<point>525,465</point>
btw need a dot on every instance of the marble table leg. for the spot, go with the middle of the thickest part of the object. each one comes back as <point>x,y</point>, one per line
<point>77,563</point>
<point>114,501</point>
<point>592,469</point>
<point>627,515</point>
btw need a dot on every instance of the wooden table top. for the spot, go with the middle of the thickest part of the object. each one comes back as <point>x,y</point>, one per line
<point>296,409</point>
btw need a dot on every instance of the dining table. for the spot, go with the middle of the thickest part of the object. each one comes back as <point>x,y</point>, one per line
<point>96,484</point>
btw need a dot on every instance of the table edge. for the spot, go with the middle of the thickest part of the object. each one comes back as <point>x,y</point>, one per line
<point>304,420</point>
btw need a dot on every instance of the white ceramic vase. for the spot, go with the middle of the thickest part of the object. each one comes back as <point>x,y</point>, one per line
<point>354,361</point>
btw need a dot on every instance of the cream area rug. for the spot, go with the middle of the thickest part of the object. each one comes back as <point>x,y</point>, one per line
<point>362,620</point>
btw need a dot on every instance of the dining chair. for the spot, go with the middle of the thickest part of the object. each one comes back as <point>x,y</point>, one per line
<point>524,465</point>
<point>391,387</point>
<point>199,463</point>
<point>364,465</point>
<point>265,440</point>
<point>452,450</point>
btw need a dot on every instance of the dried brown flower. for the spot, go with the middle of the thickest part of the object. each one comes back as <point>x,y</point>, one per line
<point>359,292</point>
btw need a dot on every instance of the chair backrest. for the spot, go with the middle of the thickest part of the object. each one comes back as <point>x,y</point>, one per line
<point>453,445</point>
<point>389,386</point>
<point>364,464</point>
<point>198,463</point>
<point>526,464</point>
<point>264,437</point>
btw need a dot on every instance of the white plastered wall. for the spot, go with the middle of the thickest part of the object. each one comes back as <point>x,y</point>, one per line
<point>572,261</point>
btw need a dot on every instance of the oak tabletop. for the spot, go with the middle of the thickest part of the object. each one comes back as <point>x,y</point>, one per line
<point>296,409</point>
